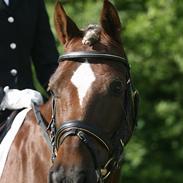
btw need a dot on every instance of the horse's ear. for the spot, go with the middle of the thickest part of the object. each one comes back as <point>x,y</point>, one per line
<point>66,29</point>
<point>110,21</point>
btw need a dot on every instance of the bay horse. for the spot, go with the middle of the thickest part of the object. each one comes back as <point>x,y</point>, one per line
<point>78,136</point>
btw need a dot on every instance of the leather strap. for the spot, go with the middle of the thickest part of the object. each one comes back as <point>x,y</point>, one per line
<point>93,54</point>
<point>41,123</point>
<point>80,126</point>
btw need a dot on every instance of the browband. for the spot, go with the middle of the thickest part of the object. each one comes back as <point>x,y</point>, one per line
<point>93,54</point>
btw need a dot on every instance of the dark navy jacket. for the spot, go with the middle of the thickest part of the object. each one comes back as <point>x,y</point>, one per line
<point>25,37</point>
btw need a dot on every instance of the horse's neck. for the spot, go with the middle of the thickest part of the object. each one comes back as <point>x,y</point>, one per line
<point>46,111</point>
<point>29,140</point>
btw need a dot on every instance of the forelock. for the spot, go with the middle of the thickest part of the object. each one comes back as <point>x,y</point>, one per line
<point>91,34</point>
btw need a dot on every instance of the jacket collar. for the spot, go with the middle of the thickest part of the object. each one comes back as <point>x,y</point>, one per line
<point>2,5</point>
<point>12,5</point>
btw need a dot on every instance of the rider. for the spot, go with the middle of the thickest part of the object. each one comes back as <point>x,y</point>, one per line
<point>25,39</point>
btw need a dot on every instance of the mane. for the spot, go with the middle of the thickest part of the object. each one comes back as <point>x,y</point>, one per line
<point>91,34</point>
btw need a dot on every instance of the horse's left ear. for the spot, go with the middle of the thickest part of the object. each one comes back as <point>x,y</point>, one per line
<point>65,27</point>
<point>110,21</point>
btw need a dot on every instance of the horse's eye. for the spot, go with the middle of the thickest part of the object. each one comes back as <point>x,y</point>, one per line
<point>116,88</point>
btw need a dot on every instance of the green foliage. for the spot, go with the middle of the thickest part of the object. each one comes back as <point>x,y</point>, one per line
<point>153,40</point>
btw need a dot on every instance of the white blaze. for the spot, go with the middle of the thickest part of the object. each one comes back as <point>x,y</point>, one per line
<point>83,78</point>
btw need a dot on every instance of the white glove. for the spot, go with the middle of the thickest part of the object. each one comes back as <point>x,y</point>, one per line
<point>17,99</point>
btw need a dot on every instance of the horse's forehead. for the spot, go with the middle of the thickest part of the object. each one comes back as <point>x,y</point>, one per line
<point>82,79</point>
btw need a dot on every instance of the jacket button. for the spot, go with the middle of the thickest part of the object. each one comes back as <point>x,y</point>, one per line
<point>13,72</point>
<point>13,46</point>
<point>11,19</point>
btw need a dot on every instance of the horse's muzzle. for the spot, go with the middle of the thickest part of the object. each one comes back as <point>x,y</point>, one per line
<point>71,176</point>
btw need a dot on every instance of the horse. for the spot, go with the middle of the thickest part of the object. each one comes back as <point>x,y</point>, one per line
<point>79,135</point>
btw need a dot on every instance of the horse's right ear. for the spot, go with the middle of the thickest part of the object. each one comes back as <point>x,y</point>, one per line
<point>66,29</point>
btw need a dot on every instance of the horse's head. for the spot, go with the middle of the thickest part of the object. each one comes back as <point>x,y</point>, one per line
<point>92,99</point>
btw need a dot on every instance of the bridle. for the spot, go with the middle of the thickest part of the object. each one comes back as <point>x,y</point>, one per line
<point>85,132</point>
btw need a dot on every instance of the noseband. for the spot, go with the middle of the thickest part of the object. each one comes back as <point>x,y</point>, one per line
<point>85,132</point>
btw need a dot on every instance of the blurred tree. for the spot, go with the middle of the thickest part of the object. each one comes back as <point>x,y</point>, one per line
<point>153,39</point>
<point>152,36</point>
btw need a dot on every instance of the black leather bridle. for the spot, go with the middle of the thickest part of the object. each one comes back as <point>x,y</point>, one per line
<point>85,132</point>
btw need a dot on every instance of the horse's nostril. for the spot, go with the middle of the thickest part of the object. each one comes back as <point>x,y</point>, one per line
<point>58,177</point>
<point>81,179</point>
<point>68,180</point>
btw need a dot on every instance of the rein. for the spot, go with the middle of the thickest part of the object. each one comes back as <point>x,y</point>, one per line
<point>84,131</point>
